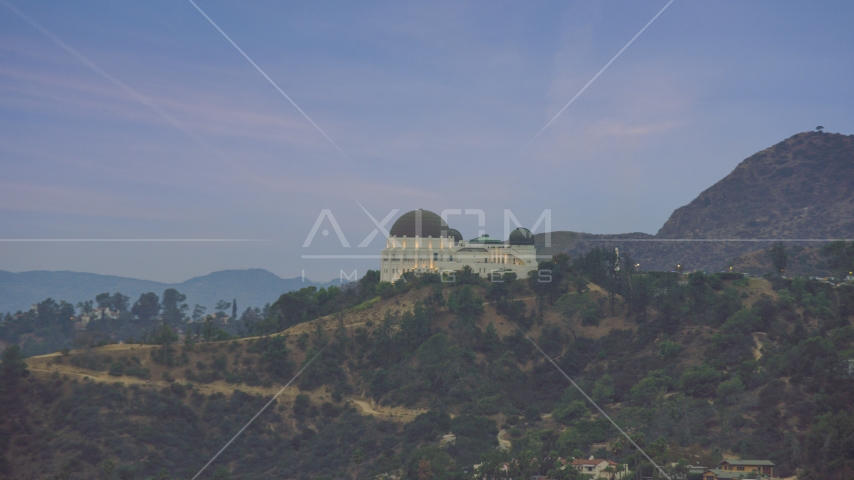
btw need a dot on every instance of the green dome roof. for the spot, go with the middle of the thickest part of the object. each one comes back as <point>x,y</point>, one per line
<point>521,236</point>
<point>485,239</point>
<point>421,223</point>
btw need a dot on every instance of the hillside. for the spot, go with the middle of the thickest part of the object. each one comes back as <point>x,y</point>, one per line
<point>803,261</point>
<point>800,188</point>
<point>711,366</point>
<point>252,288</point>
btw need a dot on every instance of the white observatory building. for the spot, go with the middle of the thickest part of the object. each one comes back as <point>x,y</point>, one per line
<point>421,242</point>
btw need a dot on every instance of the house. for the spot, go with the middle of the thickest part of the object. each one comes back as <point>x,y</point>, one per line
<point>718,474</point>
<point>598,468</point>
<point>99,313</point>
<point>734,469</point>
<point>764,467</point>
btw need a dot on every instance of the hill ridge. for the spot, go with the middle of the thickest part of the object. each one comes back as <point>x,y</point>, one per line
<point>253,287</point>
<point>799,188</point>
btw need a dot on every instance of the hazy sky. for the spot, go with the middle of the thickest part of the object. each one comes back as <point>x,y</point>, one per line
<point>128,120</point>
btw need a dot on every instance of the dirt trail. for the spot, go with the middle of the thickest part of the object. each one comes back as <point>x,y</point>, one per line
<point>502,443</point>
<point>101,376</point>
<point>391,413</point>
<point>757,339</point>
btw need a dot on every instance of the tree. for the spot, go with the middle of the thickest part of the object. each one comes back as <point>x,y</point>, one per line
<point>700,381</point>
<point>603,389</point>
<point>650,387</point>
<point>221,307</point>
<point>368,283</point>
<point>728,389</point>
<point>840,257</point>
<point>221,473</point>
<point>147,307</point>
<point>384,345</point>
<point>12,366</point>
<point>642,294</point>
<point>108,468</point>
<point>104,300</point>
<point>209,330</point>
<point>85,307</point>
<point>414,327</point>
<point>198,312</point>
<point>274,357</point>
<point>164,337</point>
<point>491,340</point>
<point>120,302</point>
<point>173,307</point>
<point>234,310</point>
<point>465,303</point>
<point>578,308</point>
<point>116,301</point>
<point>246,324</point>
<point>545,282</point>
<point>468,307</point>
<point>779,258</point>
<point>384,289</point>
<point>567,413</point>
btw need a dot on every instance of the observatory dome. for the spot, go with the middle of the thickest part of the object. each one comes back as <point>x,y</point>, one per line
<point>421,223</point>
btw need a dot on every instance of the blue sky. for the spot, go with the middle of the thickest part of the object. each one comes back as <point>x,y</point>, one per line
<point>432,104</point>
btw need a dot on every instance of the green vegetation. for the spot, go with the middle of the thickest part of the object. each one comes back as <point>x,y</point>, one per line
<point>691,366</point>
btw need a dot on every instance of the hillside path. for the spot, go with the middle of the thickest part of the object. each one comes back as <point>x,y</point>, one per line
<point>395,413</point>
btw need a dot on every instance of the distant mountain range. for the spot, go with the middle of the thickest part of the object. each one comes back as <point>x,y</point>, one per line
<point>800,188</point>
<point>252,288</point>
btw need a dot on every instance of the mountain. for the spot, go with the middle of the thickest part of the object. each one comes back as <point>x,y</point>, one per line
<point>252,288</point>
<point>800,188</point>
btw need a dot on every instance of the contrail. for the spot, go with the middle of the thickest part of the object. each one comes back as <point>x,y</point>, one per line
<point>822,240</point>
<point>268,78</point>
<point>595,76</point>
<point>119,240</point>
<point>89,63</point>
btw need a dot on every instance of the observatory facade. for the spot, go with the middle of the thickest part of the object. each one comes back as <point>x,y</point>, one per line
<point>421,242</point>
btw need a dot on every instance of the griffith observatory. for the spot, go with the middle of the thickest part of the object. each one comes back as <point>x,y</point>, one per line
<point>421,242</point>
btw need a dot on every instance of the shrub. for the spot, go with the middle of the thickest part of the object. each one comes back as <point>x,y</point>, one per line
<point>727,390</point>
<point>302,405</point>
<point>117,369</point>
<point>137,371</point>
<point>219,363</point>
<point>385,290</point>
<point>700,381</point>
<point>327,409</point>
<point>603,389</point>
<point>743,321</point>
<point>465,303</point>
<point>427,426</point>
<point>567,413</point>
<point>668,349</point>
<point>646,390</point>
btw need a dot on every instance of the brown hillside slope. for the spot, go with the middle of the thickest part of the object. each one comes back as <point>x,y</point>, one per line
<point>803,187</point>
<point>800,188</point>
